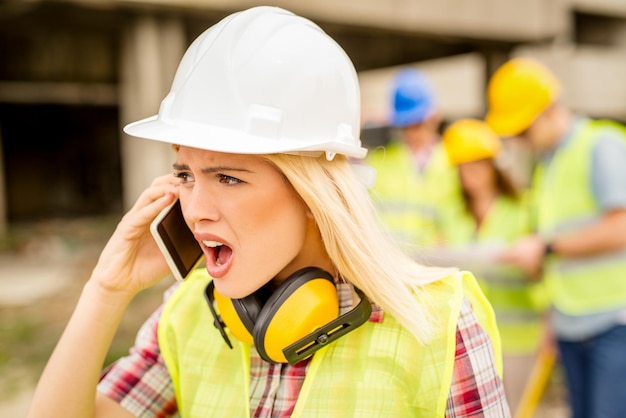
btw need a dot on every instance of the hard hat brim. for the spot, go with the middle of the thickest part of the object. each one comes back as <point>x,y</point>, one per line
<point>219,139</point>
<point>410,117</point>
<point>509,124</point>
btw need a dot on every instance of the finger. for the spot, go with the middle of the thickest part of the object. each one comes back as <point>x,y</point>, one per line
<point>166,179</point>
<point>160,186</point>
<point>155,193</point>
<point>155,207</point>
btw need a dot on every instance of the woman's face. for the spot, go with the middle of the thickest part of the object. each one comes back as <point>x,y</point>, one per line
<point>251,224</point>
<point>477,176</point>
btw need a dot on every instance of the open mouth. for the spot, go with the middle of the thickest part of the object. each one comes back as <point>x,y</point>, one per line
<point>218,252</point>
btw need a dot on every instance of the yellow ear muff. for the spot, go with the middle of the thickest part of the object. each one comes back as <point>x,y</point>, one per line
<point>232,319</point>
<point>304,302</point>
<point>288,319</point>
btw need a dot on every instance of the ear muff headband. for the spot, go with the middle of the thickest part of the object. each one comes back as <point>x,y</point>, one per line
<point>297,319</point>
<point>209,296</point>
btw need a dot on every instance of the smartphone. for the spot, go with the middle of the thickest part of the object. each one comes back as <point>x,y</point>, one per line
<point>176,241</point>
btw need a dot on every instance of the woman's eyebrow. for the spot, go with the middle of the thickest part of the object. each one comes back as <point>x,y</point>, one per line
<point>215,169</point>
<point>177,166</point>
<point>224,168</point>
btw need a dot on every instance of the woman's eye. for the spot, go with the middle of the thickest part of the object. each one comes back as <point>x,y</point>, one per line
<point>223,178</point>
<point>185,178</point>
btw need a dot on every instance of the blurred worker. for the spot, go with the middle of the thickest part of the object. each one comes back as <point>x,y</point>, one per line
<point>581,241</point>
<point>494,215</point>
<point>414,178</point>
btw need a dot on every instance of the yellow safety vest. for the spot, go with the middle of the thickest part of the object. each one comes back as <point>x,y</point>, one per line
<point>566,203</point>
<point>518,303</point>
<point>378,369</point>
<point>410,201</point>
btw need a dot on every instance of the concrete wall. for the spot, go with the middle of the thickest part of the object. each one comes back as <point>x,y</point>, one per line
<point>511,19</point>
<point>459,84</point>
<point>592,77</point>
<point>616,8</point>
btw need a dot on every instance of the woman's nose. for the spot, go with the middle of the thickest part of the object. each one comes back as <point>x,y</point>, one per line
<point>199,205</point>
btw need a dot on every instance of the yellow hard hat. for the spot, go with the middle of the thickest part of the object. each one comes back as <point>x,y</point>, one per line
<point>470,140</point>
<point>517,93</point>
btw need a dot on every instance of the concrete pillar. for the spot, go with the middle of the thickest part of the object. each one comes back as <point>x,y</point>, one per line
<point>3,201</point>
<point>619,35</point>
<point>151,50</point>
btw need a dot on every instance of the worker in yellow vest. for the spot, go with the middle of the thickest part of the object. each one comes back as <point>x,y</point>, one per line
<point>414,179</point>
<point>494,215</point>
<point>580,248</point>
<point>304,306</point>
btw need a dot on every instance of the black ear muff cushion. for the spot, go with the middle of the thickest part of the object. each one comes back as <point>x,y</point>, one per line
<point>248,310</point>
<point>304,302</point>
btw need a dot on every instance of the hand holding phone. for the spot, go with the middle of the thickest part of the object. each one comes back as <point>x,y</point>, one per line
<point>176,241</point>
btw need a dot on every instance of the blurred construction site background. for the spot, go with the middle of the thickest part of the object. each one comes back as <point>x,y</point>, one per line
<point>73,72</point>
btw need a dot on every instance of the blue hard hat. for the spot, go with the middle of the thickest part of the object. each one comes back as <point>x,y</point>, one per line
<point>413,98</point>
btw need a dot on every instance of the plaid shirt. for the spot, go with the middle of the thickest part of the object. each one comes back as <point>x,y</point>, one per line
<point>141,383</point>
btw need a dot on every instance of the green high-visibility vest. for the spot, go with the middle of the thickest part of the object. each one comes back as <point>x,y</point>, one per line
<point>410,201</point>
<point>581,285</point>
<point>519,304</point>
<point>379,369</point>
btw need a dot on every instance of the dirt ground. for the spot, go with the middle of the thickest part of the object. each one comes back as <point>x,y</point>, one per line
<point>43,267</point>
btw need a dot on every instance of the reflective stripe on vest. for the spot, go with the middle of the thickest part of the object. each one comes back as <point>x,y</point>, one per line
<point>566,201</point>
<point>409,201</point>
<point>376,370</point>
<point>517,302</point>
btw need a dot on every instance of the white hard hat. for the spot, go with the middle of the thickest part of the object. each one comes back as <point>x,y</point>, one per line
<point>261,81</point>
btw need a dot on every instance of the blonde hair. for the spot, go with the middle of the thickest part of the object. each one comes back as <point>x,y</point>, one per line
<point>360,249</point>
